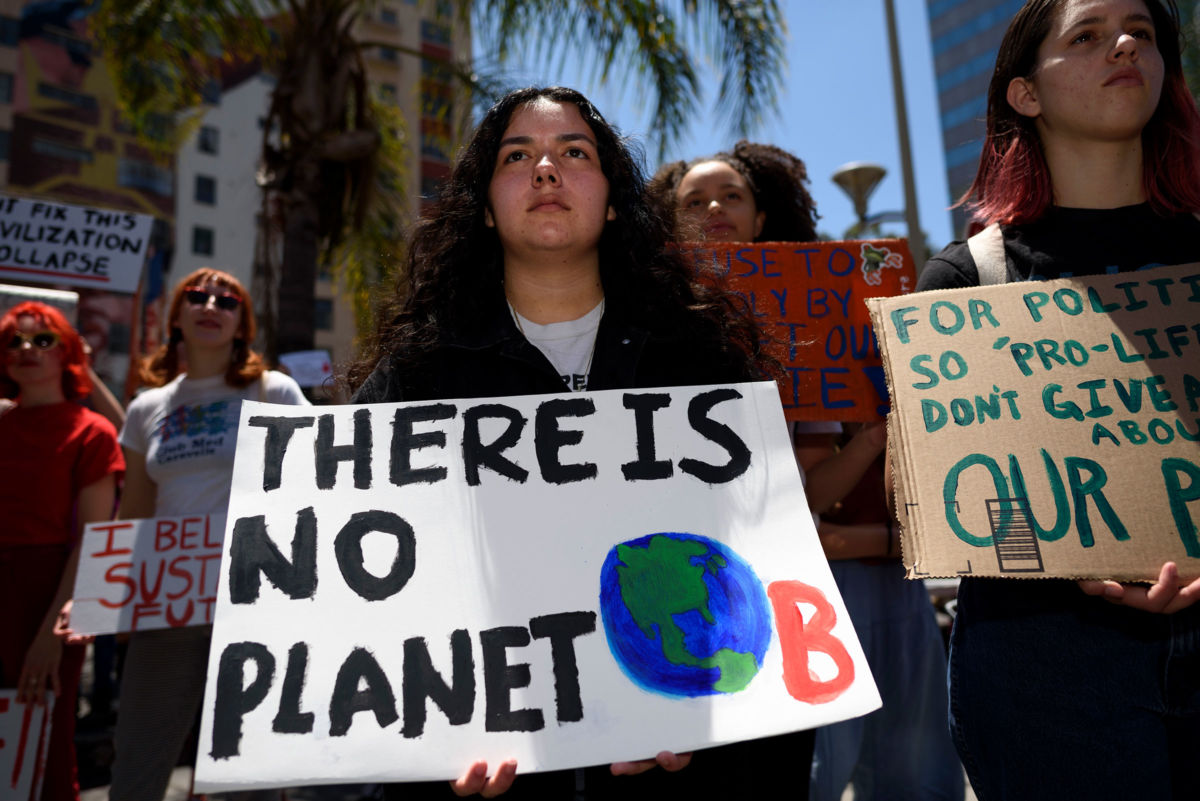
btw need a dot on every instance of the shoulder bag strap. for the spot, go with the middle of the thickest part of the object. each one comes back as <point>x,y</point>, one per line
<point>987,250</point>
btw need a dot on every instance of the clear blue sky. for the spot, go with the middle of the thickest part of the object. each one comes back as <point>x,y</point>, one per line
<point>835,107</point>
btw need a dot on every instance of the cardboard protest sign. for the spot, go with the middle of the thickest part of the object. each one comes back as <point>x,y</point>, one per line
<point>154,573</point>
<point>1048,428</point>
<point>58,243</point>
<point>565,580</point>
<point>24,736</point>
<point>808,300</point>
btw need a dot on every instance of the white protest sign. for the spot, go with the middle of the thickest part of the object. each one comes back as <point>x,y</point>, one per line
<point>310,368</point>
<point>155,573</point>
<point>57,243</point>
<point>24,737</point>
<point>65,301</point>
<point>566,580</point>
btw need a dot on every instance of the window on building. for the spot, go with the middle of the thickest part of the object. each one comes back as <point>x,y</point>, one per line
<point>202,240</point>
<point>206,190</point>
<point>388,16</point>
<point>209,139</point>
<point>6,87</point>
<point>211,93</point>
<point>137,174</point>
<point>389,54</point>
<point>388,92</point>
<point>58,150</point>
<point>323,314</point>
<point>10,31</point>
<point>68,96</point>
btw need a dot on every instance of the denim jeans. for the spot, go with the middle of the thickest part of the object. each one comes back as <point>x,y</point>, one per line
<point>901,752</point>
<point>1058,695</point>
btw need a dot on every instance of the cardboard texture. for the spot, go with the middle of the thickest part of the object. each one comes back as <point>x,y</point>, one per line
<point>153,573</point>
<point>565,580</point>
<point>807,298</point>
<point>1048,428</point>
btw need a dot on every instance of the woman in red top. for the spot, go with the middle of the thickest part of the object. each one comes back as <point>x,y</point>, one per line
<point>61,463</point>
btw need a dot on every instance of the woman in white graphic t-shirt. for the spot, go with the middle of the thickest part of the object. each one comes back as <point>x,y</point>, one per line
<point>179,441</point>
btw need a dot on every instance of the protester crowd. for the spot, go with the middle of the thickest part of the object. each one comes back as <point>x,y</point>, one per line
<point>546,264</point>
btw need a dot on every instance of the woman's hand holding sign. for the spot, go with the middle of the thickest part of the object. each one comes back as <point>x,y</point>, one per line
<point>476,780</point>
<point>1164,596</point>
<point>667,760</point>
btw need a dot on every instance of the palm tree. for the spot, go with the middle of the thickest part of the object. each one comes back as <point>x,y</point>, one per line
<point>333,161</point>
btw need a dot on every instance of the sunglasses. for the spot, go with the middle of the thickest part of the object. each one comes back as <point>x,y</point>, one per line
<point>226,301</point>
<point>42,340</point>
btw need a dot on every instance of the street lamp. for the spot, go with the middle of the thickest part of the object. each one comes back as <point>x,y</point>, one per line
<point>858,179</point>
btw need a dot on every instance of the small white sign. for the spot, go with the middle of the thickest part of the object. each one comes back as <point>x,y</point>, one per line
<point>155,573</point>
<point>24,738</point>
<point>310,368</point>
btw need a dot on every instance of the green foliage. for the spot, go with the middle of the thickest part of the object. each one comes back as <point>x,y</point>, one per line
<point>163,53</point>
<point>1189,14</point>
<point>624,42</point>
<point>349,161</point>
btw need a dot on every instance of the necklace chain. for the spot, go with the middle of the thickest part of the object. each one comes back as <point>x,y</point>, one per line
<point>587,369</point>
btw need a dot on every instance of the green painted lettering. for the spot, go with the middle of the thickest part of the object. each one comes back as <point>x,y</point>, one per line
<point>1092,487</point>
<point>1179,497</point>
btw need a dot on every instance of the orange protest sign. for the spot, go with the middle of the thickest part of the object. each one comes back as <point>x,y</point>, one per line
<point>808,300</point>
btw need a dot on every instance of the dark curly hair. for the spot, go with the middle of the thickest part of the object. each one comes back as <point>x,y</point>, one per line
<point>776,177</point>
<point>455,266</point>
<point>245,365</point>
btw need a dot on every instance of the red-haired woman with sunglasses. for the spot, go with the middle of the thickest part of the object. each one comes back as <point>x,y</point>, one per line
<point>60,464</point>
<point>1091,165</point>
<point>179,443</point>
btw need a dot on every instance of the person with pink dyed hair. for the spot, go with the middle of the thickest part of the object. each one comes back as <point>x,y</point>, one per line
<point>1090,689</point>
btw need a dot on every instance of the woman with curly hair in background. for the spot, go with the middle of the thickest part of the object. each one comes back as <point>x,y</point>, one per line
<point>757,193</point>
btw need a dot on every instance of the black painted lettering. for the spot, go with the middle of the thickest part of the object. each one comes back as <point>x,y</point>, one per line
<point>404,442</point>
<point>646,467</point>
<point>234,699</point>
<point>347,699</point>
<point>289,719</point>
<point>329,455</point>
<point>279,434</point>
<point>477,454</point>
<point>562,629</point>
<point>253,552</point>
<point>500,678</point>
<point>721,434</point>
<point>549,439</point>
<point>348,549</point>
<point>421,681</point>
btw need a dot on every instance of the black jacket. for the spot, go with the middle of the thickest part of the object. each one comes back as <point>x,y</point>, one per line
<point>495,360</point>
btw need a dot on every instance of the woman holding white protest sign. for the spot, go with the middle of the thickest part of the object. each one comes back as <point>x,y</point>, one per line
<point>179,443</point>
<point>61,463</point>
<point>1063,689</point>
<point>541,268</point>
<point>757,193</point>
